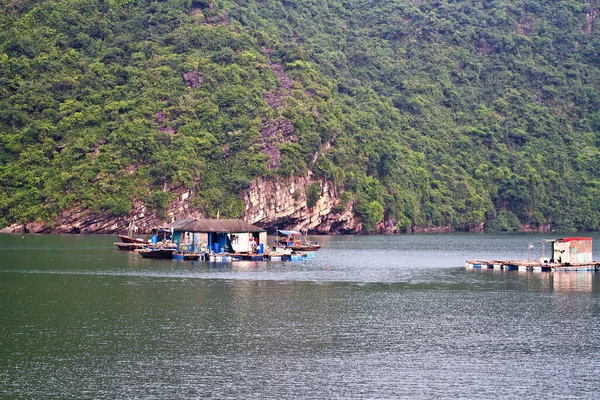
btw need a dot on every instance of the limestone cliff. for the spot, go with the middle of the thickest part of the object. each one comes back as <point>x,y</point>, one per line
<point>283,204</point>
<point>279,203</point>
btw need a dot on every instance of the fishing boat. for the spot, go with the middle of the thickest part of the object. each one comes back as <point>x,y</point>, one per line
<point>128,242</point>
<point>131,246</point>
<point>297,241</point>
<point>157,252</point>
<point>161,237</point>
<point>129,239</point>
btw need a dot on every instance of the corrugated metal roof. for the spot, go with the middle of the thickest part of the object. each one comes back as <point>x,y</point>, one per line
<point>215,225</point>
<point>181,222</point>
<point>569,239</point>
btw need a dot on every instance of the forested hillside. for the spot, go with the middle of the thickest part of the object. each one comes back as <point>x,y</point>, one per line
<point>421,113</point>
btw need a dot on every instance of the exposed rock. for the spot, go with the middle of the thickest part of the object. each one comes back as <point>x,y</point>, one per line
<point>273,204</point>
<point>192,78</point>
<point>226,151</point>
<point>282,204</point>
<point>540,228</point>
<point>590,18</point>
<point>167,129</point>
<point>80,221</point>
<point>274,133</point>
<point>280,130</point>
<point>14,228</point>
<point>525,27</point>
<point>161,118</point>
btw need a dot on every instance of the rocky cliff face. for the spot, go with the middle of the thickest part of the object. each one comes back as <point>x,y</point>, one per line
<point>279,203</point>
<point>283,204</point>
<point>271,204</point>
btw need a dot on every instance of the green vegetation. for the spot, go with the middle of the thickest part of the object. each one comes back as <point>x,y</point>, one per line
<point>438,113</point>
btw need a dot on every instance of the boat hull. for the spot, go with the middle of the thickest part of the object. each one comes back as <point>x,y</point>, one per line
<point>129,239</point>
<point>306,248</point>
<point>157,253</point>
<point>131,246</point>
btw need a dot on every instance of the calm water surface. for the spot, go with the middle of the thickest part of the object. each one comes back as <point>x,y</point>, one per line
<point>370,317</point>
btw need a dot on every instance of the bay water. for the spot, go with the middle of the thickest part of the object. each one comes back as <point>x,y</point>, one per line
<point>369,317</point>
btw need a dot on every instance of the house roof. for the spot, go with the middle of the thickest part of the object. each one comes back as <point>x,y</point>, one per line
<point>570,239</point>
<point>214,225</point>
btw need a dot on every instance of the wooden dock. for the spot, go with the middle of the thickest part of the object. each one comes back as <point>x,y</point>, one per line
<point>526,265</point>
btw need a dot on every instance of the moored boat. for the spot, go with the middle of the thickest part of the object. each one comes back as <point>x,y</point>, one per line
<point>129,239</point>
<point>297,241</point>
<point>131,246</point>
<point>162,253</point>
<point>311,246</point>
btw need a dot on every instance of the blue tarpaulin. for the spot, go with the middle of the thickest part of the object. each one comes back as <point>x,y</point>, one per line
<point>290,233</point>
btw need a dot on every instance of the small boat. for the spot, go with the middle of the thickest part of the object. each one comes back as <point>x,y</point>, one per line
<point>297,241</point>
<point>128,242</point>
<point>129,239</point>
<point>161,237</point>
<point>310,246</point>
<point>159,252</point>
<point>131,246</point>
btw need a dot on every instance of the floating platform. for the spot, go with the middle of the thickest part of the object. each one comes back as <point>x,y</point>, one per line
<point>271,256</point>
<point>525,265</point>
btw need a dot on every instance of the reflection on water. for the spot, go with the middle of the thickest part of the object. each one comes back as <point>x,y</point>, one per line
<point>370,317</point>
<point>558,281</point>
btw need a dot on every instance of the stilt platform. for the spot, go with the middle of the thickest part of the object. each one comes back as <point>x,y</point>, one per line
<point>525,265</point>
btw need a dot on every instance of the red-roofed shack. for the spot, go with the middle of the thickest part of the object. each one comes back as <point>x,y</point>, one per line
<point>572,250</point>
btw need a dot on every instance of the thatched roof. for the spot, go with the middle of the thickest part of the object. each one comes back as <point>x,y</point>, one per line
<point>214,225</point>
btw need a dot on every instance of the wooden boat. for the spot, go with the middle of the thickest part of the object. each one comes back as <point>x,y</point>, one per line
<point>129,239</point>
<point>160,237</point>
<point>297,241</point>
<point>159,252</point>
<point>131,246</point>
<point>310,246</point>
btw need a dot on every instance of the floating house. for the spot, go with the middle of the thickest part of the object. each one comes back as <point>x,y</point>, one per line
<point>567,254</point>
<point>220,240</point>
<point>571,251</point>
<point>218,236</point>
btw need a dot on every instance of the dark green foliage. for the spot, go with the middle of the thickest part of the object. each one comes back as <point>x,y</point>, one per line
<point>313,194</point>
<point>429,113</point>
<point>503,221</point>
<point>158,200</point>
<point>370,213</point>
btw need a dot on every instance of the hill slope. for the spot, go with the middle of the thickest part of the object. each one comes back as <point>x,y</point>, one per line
<point>419,114</point>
